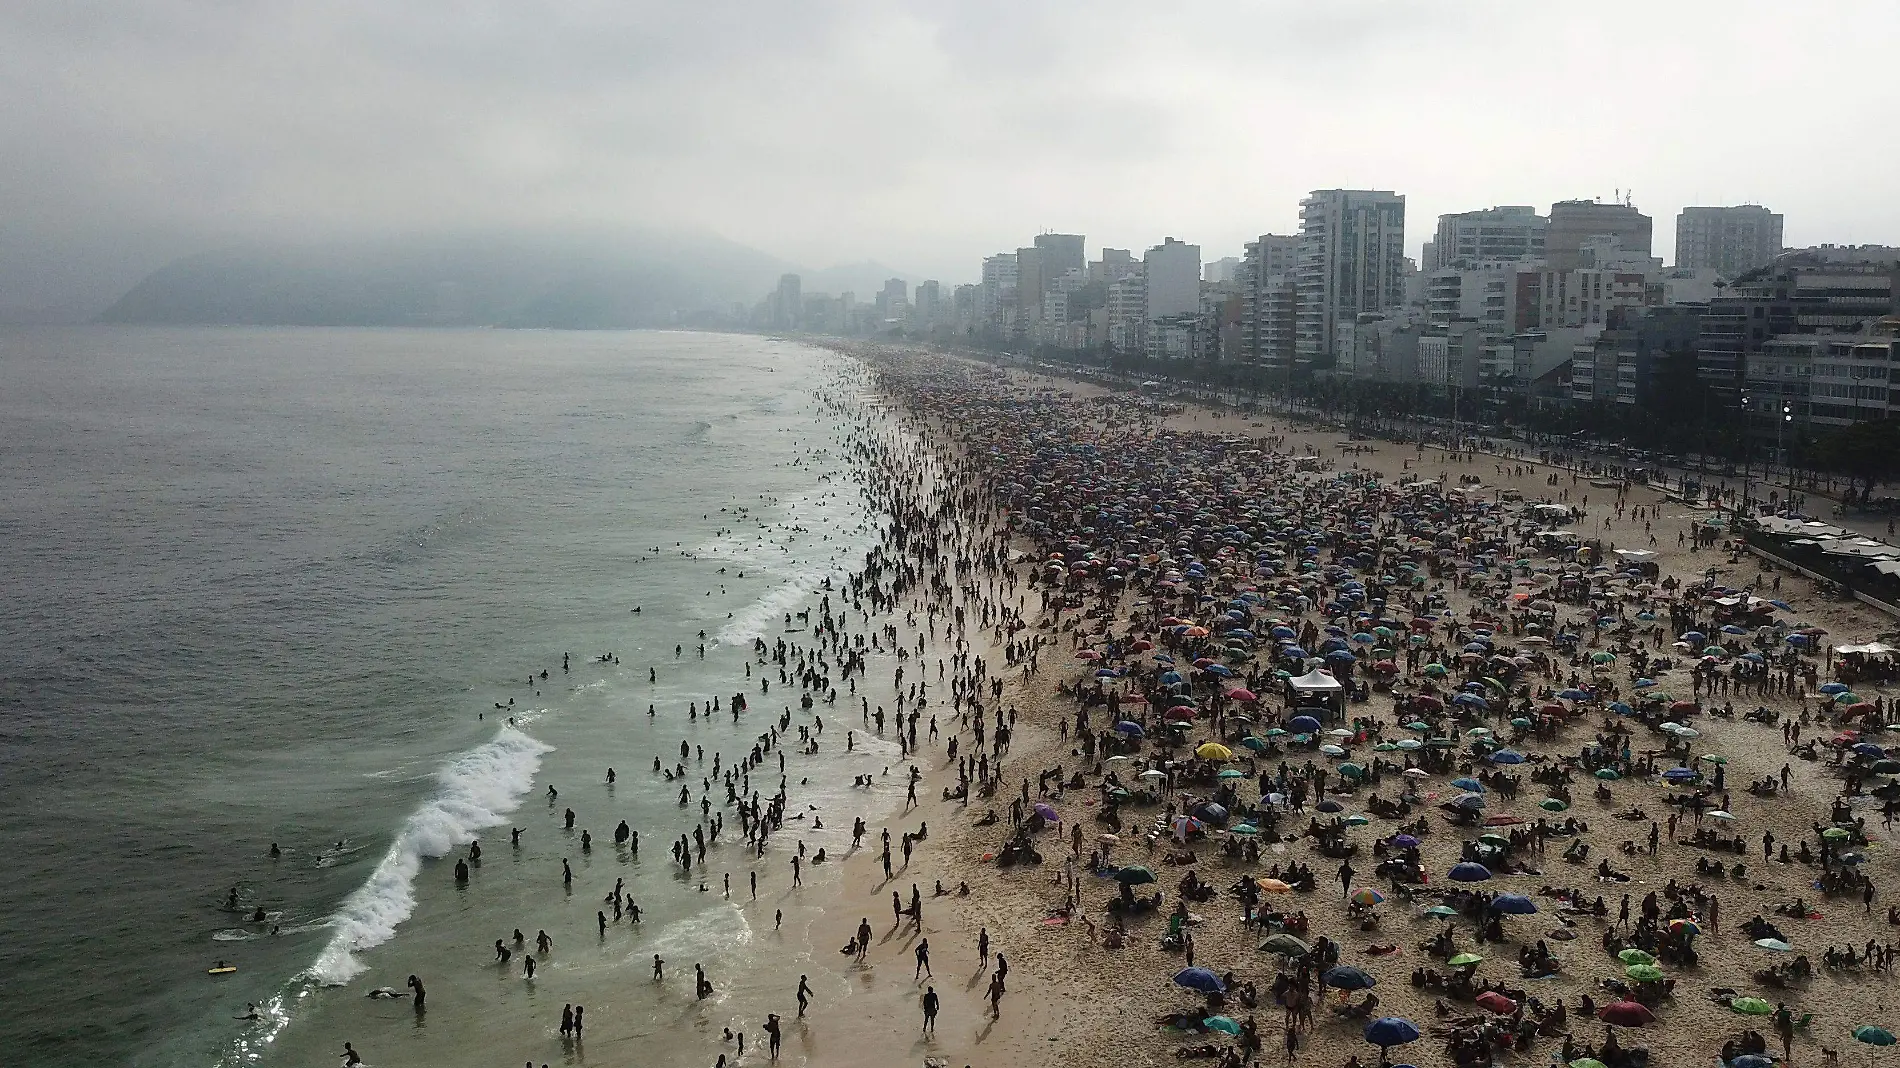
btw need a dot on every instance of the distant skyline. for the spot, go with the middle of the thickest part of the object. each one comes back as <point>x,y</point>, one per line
<point>924,136</point>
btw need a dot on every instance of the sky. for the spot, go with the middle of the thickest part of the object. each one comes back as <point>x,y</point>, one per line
<point>923,136</point>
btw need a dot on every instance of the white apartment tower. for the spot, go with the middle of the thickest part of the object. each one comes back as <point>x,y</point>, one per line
<point>1173,273</point>
<point>1351,260</point>
<point>1729,241</point>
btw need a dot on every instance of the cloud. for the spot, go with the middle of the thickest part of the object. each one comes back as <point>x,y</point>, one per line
<point>922,134</point>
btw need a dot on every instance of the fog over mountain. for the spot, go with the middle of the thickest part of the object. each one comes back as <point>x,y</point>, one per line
<point>581,281</point>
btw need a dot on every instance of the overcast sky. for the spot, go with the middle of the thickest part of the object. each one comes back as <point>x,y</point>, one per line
<point>922,136</point>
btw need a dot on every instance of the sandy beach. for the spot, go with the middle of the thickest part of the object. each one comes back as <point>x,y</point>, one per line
<point>1099,1005</point>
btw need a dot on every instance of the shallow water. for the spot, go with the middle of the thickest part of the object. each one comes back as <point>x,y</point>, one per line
<point>267,586</point>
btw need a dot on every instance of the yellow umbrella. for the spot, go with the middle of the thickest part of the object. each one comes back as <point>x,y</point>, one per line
<point>1214,751</point>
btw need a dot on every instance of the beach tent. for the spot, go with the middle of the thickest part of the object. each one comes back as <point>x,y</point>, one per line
<point>1318,689</point>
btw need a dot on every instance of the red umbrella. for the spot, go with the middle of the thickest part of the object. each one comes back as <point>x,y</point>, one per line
<point>1179,712</point>
<point>1552,710</point>
<point>1385,667</point>
<point>1626,1014</point>
<point>1497,1003</point>
<point>1427,701</point>
<point>1683,706</point>
<point>1243,696</point>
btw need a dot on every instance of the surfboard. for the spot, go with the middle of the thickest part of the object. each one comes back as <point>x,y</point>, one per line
<point>226,970</point>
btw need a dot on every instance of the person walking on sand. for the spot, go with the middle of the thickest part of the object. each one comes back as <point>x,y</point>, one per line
<point>804,995</point>
<point>931,1001</point>
<point>983,946</point>
<point>864,938</point>
<point>1345,878</point>
<point>996,996</point>
<point>923,961</point>
<point>658,964</point>
<point>772,1028</point>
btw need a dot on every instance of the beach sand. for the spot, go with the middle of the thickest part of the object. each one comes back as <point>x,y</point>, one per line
<point>1090,1005</point>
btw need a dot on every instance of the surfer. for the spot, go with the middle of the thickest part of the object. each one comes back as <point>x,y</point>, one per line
<point>415,986</point>
<point>350,1057</point>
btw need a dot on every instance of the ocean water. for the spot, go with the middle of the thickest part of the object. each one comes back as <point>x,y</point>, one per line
<point>268,586</point>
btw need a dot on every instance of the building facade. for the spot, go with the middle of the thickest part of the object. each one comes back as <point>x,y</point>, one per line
<point>1575,222</point>
<point>1351,260</point>
<point>1493,235</point>
<point>1730,241</point>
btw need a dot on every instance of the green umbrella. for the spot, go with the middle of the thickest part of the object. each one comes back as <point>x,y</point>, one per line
<point>1134,874</point>
<point>1552,804</point>
<point>1751,1006</point>
<point>1443,912</point>
<point>1635,956</point>
<point>1834,834</point>
<point>1491,838</point>
<point>1587,1062</point>
<point>1119,794</point>
<point>1231,773</point>
<point>1418,725</point>
<point>1608,774</point>
<point>1285,945</point>
<point>1465,959</point>
<point>1715,758</point>
<point>1245,830</point>
<point>1644,973</point>
<point>1874,1035</point>
<point>1221,1023</point>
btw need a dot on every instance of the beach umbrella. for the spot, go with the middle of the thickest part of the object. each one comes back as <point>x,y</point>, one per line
<point>1644,973</point>
<point>1366,895</point>
<point>1468,784</point>
<point>1243,696</point>
<point>1214,751</point>
<point>1303,725</point>
<point>1405,841</point>
<point>1346,978</point>
<point>1329,749</point>
<point>1329,805</point>
<point>1587,1062</point>
<point>1680,774</point>
<point>1199,979</point>
<point>1130,728</point>
<point>1134,875</point>
<point>1231,773</point>
<point>1513,905</point>
<point>1469,872</point>
<point>1751,1006</point>
<point>1389,1031</point>
<point>1222,1024</point>
<point>1245,830</point>
<point>1684,925</point>
<point>1635,956</point>
<point>1492,1001</point>
<point>1469,802</point>
<point>1507,756</point>
<point>1775,944</point>
<point>1441,912</point>
<point>1873,1035</point>
<point>1465,960</point>
<point>1608,774</point>
<point>1553,804</point>
<point>1626,1014</point>
<point>1286,946</point>
<point>1835,834</point>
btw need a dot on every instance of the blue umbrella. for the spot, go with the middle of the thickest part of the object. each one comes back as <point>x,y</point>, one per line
<point>1507,756</point>
<point>1303,725</point>
<point>1573,695</point>
<point>1212,812</point>
<point>1293,652</point>
<point>1389,1031</point>
<point>1345,978</point>
<point>1832,688</point>
<point>1621,709</point>
<point>1329,805</point>
<point>1130,728</point>
<point>1869,749</point>
<point>1679,774</point>
<point>1469,784</point>
<point>1751,1060</point>
<point>1471,700</point>
<point>1199,979</point>
<point>1514,904</point>
<point>1469,802</point>
<point>1169,678</point>
<point>1469,872</point>
<point>1340,656</point>
<point>1220,671</point>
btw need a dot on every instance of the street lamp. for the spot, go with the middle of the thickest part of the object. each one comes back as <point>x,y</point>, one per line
<point>1787,416</point>
<point>1747,409</point>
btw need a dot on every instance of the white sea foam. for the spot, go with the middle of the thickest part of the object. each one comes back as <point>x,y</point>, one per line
<point>475,791</point>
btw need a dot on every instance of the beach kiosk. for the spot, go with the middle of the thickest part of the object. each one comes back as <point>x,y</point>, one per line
<point>1317,689</point>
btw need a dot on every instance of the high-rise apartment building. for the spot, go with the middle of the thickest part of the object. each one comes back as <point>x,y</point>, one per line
<point>1351,260</point>
<point>1032,284</point>
<point>1265,278</point>
<point>1173,273</point>
<point>1574,222</point>
<point>996,293</point>
<point>1220,271</point>
<point>928,308</point>
<point>788,306</point>
<point>1729,241</point>
<point>1115,265</point>
<point>1799,293</point>
<point>1062,253</point>
<point>1493,235</point>
<point>893,301</point>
